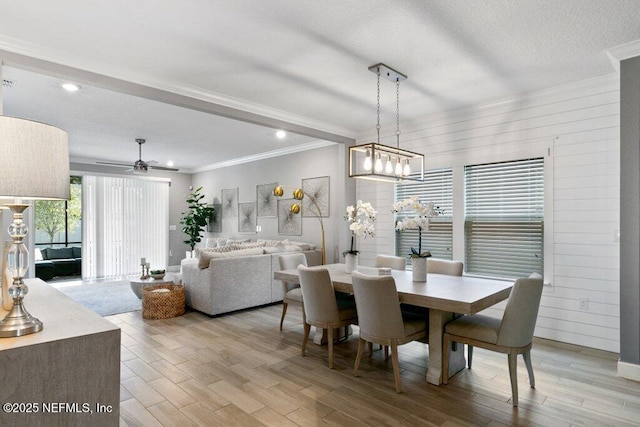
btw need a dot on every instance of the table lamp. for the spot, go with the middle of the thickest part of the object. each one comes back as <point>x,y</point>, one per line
<point>34,165</point>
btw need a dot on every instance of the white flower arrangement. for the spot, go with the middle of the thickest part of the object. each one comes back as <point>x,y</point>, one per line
<point>420,221</point>
<point>361,219</point>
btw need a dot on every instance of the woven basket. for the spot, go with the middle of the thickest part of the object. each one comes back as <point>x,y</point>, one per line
<point>163,305</point>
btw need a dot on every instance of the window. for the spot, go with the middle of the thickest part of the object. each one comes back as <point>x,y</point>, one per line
<point>58,223</point>
<point>437,187</point>
<point>504,219</point>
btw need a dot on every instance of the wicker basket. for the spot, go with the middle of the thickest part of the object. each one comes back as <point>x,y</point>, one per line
<point>162,305</point>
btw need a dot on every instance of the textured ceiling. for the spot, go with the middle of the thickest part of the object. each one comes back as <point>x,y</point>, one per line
<point>306,61</point>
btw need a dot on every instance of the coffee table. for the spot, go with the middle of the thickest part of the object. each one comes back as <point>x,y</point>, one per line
<point>137,284</point>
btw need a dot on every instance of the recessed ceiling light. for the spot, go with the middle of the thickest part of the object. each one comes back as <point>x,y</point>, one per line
<point>70,87</point>
<point>170,163</point>
<point>281,134</point>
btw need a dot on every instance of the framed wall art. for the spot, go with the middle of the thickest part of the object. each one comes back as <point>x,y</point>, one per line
<point>267,205</point>
<point>316,199</point>
<point>288,222</point>
<point>247,219</point>
<point>214,225</point>
<point>229,202</point>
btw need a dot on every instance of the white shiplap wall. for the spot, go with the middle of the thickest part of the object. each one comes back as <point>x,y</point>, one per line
<point>576,129</point>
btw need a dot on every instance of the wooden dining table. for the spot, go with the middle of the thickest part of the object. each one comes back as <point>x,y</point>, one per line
<point>444,296</point>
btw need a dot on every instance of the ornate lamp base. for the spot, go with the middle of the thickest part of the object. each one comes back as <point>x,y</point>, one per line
<point>19,322</point>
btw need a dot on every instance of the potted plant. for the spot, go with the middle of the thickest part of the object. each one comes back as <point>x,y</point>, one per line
<point>360,218</point>
<point>195,219</point>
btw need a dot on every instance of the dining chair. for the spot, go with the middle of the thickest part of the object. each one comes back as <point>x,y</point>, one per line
<point>321,308</point>
<point>381,320</point>
<point>390,261</point>
<point>513,334</point>
<point>291,291</point>
<point>443,266</point>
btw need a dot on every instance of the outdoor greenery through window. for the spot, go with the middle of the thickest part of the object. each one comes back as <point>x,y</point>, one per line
<point>58,223</point>
<point>437,187</point>
<point>504,218</point>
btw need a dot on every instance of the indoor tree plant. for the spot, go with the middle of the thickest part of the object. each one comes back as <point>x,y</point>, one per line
<point>422,213</point>
<point>195,219</point>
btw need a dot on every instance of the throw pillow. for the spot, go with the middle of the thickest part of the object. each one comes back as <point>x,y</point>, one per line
<point>206,257</point>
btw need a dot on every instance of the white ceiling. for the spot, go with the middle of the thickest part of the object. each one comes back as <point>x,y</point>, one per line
<point>302,62</point>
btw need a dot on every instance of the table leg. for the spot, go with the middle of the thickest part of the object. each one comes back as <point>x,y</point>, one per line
<point>437,320</point>
<point>320,337</point>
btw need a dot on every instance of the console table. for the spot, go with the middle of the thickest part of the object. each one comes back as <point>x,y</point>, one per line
<point>67,374</point>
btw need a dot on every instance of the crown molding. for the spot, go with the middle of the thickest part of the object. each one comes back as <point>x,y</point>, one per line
<point>261,156</point>
<point>95,72</point>
<point>622,52</point>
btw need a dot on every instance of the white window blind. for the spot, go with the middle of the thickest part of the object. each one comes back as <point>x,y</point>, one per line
<point>437,187</point>
<point>504,222</point>
<point>124,220</point>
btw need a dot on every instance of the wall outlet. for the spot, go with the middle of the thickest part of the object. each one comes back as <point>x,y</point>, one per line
<point>172,228</point>
<point>170,252</point>
<point>583,303</point>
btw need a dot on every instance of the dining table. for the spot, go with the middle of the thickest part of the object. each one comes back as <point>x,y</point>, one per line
<point>445,296</point>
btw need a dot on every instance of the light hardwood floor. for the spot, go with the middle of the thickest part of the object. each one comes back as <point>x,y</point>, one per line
<point>239,369</point>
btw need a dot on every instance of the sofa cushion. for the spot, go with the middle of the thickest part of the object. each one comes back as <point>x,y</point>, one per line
<point>60,253</point>
<point>77,252</point>
<point>207,256</point>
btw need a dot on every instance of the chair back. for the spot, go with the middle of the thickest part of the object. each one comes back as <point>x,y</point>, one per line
<point>390,261</point>
<point>520,314</point>
<point>443,266</point>
<point>318,296</point>
<point>290,262</point>
<point>378,306</point>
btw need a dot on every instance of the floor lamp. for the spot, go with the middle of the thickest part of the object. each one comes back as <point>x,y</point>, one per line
<point>34,165</point>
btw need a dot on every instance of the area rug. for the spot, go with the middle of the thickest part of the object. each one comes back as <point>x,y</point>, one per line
<point>105,298</point>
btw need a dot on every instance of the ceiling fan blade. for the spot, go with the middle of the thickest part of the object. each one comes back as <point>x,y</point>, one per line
<point>162,168</point>
<point>126,165</point>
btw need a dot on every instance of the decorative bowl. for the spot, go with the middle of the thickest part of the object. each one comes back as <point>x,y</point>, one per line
<point>158,276</point>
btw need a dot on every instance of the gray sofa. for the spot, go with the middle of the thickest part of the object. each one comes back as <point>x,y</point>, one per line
<point>235,282</point>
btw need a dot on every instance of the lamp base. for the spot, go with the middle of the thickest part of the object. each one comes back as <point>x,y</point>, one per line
<point>19,322</point>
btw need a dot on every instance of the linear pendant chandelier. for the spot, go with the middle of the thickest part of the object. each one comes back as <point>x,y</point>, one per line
<point>378,162</point>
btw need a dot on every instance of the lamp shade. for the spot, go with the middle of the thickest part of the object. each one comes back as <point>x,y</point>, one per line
<point>34,163</point>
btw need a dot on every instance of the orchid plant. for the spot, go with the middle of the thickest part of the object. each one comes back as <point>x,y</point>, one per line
<point>361,218</point>
<point>423,212</point>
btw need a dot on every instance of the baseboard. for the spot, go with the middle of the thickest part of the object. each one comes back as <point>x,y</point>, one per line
<point>629,370</point>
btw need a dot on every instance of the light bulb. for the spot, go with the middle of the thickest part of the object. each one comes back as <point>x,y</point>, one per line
<point>388,167</point>
<point>378,165</point>
<point>406,171</point>
<point>398,167</point>
<point>367,161</point>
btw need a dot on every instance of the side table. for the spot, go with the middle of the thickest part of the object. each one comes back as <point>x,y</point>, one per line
<point>138,284</point>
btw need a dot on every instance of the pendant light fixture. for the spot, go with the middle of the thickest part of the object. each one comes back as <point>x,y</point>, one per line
<point>380,162</point>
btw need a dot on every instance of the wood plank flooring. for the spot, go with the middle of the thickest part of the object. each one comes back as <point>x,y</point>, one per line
<point>240,370</point>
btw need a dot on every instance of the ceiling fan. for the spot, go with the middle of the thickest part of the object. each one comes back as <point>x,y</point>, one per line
<point>140,166</point>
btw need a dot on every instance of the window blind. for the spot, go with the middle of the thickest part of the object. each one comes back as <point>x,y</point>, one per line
<point>437,187</point>
<point>124,220</point>
<point>504,221</point>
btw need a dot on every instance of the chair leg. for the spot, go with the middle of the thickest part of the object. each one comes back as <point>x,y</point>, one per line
<point>356,366</point>
<point>330,345</point>
<point>307,329</point>
<point>370,348</point>
<point>445,358</point>
<point>396,366</point>
<point>513,374</point>
<point>469,355</point>
<point>386,351</point>
<point>527,361</point>
<point>284,311</point>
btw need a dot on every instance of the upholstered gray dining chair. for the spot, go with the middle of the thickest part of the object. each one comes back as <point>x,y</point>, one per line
<point>513,334</point>
<point>291,291</point>
<point>391,261</point>
<point>443,266</point>
<point>380,319</point>
<point>321,308</point>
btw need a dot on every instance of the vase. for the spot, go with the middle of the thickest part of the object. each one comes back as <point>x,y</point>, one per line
<point>419,269</point>
<point>351,262</point>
